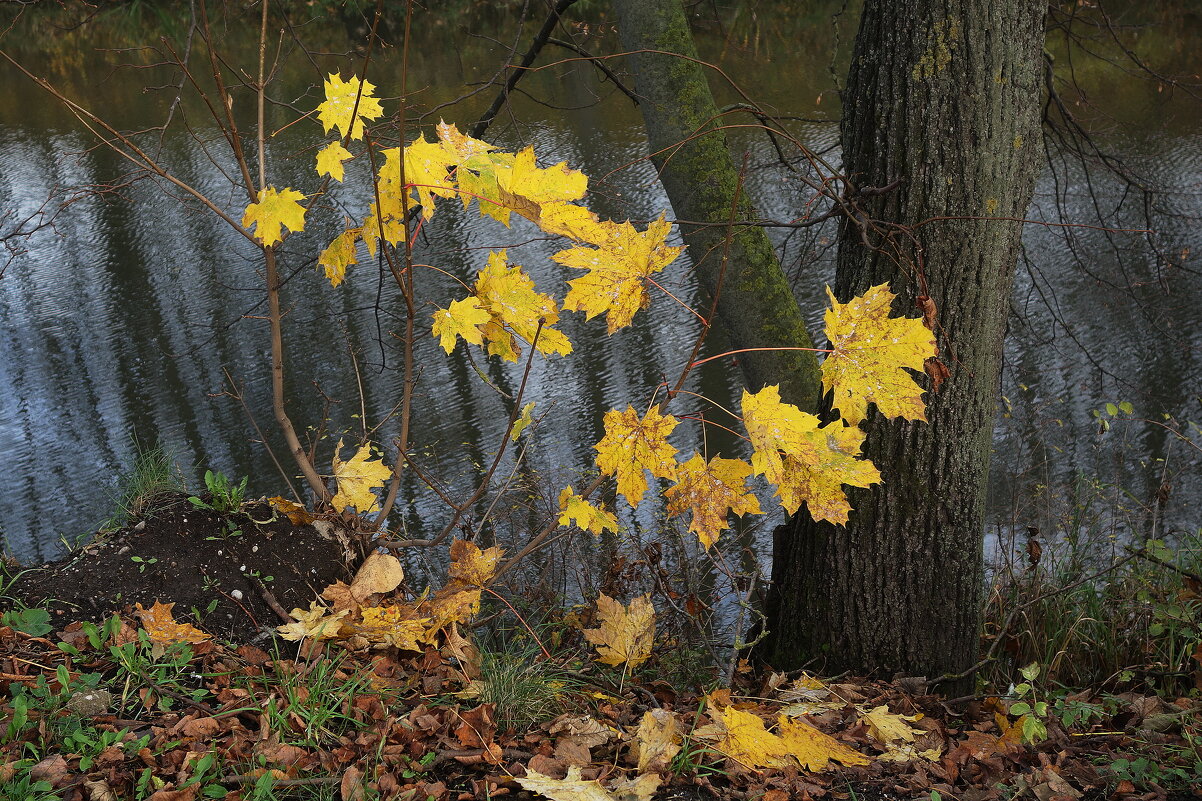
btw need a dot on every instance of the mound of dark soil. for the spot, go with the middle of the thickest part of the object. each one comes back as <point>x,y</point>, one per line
<point>230,575</point>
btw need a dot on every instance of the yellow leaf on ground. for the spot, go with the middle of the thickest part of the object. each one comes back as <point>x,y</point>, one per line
<point>885,726</point>
<point>357,478</point>
<point>744,738</point>
<point>273,212</point>
<point>576,509</point>
<point>462,318</point>
<point>871,355</point>
<point>393,625</point>
<point>573,788</point>
<point>330,158</point>
<point>625,633</point>
<point>709,491</point>
<point>658,740</point>
<point>632,445</point>
<point>470,565</point>
<point>346,107</point>
<point>619,270</point>
<point>297,515</point>
<point>814,750</point>
<point>314,624</point>
<point>380,572</point>
<point>451,605</point>
<point>339,255</point>
<point>161,627</point>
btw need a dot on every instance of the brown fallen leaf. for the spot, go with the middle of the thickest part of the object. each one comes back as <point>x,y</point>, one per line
<point>379,573</point>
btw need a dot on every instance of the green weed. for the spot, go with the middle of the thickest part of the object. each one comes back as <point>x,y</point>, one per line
<point>151,483</point>
<point>225,497</point>
<point>524,688</point>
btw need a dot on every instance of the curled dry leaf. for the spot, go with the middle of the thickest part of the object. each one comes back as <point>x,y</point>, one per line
<point>162,629</point>
<point>379,573</point>
<point>471,566</point>
<point>297,515</point>
<point>314,624</point>
<point>658,740</point>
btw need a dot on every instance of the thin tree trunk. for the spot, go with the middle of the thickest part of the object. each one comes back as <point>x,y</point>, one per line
<point>756,307</point>
<point>944,96</point>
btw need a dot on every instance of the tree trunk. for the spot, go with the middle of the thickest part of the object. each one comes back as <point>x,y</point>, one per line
<point>945,97</point>
<point>756,305</point>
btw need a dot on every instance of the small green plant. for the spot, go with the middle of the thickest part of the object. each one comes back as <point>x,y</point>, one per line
<point>225,497</point>
<point>22,785</point>
<point>1030,710</point>
<point>143,562</point>
<point>151,483</point>
<point>28,619</point>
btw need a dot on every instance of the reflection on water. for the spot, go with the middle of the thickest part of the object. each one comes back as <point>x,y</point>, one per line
<point>142,316</point>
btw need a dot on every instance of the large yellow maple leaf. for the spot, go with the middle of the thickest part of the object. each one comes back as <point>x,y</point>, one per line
<point>744,738</point>
<point>619,269</point>
<point>808,464</point>
<point>526,179</point>
<point>709,490</point>
<point>631,445</point>
<point>516,308</point>
<point>471,565</point>
<point>357,477</point>
<point>871,353</point>
<point>462,318</point>
<point>396,626</point>
<point>573,788</point>
<point>345,107</point>
<point>274,211</point>
<point>625,634</point>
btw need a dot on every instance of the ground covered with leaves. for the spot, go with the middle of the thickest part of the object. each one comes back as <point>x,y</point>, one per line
<point>181,676</point>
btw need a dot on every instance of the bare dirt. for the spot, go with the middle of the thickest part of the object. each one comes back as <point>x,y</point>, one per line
<point>225,578</point>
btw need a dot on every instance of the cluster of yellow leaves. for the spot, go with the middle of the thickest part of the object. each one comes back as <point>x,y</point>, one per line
<point>578,510</point>
<point>363,614</point>
<point>743,737</point>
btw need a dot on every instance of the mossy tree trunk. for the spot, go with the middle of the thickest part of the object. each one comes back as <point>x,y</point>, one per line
<point>756,307</point>
<point>945,97</point>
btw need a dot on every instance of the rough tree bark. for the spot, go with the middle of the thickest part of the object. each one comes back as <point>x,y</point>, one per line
<point>944,96</point>
<point>756,308</point>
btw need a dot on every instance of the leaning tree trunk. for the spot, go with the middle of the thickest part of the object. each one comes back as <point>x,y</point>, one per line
<point>756,307</point>
<point>943,95</point>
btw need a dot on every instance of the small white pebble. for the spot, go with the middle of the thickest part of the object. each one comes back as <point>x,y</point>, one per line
<point>236,595</point>
<point>254,549</point>
<point>243,568</point>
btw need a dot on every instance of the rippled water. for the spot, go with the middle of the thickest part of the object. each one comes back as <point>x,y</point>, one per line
<point>136,316</point>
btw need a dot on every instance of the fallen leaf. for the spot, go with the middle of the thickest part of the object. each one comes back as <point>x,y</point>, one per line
<point>379,573</point>
<point>99,790</point>
<point>472,566</point>
<point>569,789</point>
<point>314,624</point>
<point>814,750</point>
<point>297,515</point>
<point>886,727</point>
<point>161,627</point>
<point>658,740</point>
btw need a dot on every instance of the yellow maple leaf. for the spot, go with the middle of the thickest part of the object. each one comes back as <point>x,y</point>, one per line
<point>815,750</point>
<point>632,445</point>
<point>393,625</point>
<point>472,566</point>
<point>572,788</point>
<point>314,624</point>
<point>330,158</point>
<point>450,605</point>
<point>709,491</point>
<point>625,633</point>
<point>345,107</point>
<point>462,318</point>
<point>886,727</point>
<point>357,477</point>
<point>807,464</point>
<point>339,255</point>
<point>658,739</point>
<point>618,270</point>
<point>553,184</point>
<point>588,517</point>
<point>571,221</point>
<point>871,353</point>
<point>508,294</point>
<point>273,212</point>
<point>162,629</point>
<point>427,167</point>
<point>744,738</point>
